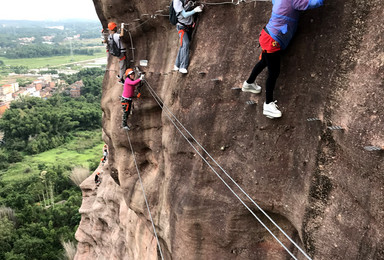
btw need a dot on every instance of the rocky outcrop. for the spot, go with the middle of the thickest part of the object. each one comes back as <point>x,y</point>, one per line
<point>319,185</point>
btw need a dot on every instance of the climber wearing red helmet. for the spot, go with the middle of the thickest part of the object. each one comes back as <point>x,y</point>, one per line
<point>97,179</point>
<point>117,48</point>
<point>128,93</point>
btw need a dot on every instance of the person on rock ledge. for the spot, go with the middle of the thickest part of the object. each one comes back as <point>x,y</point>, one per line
<point>97,179</point>
<point>274,38</point>
<point>115,38</point>
<point>128,93</point>
<point>184,26</point>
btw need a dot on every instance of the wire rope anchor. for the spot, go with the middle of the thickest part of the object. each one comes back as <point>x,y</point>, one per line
<point>311,119</point>
<point>250,102</point>
<point>335,127</point>
<point>373,148</point>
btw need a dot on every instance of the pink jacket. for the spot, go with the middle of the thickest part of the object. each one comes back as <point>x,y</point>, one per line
<point>129,87</point>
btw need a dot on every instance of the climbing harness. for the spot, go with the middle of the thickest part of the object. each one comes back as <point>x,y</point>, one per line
<point>173,120</point>
<point>145,197</point>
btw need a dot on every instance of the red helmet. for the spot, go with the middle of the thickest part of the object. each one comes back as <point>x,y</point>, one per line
<point>112,26</point>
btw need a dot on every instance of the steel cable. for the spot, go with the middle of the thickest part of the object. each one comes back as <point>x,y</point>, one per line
<point>270,219</point>
<point>145,197</point>
<point>168,113</point>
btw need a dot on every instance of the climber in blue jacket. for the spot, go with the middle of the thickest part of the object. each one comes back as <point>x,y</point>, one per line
<point>274,38</point>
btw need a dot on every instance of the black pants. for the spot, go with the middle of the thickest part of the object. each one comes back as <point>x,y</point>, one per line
<point>126,104</point>
<point>272,61</point>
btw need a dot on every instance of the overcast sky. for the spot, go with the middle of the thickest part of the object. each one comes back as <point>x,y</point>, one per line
<point>47,9</point>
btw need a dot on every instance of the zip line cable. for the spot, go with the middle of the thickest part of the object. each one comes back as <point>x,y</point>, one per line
<point>168,113</point>
<point>233,181</point>
<point>145,197</point>
<point>210,166</point>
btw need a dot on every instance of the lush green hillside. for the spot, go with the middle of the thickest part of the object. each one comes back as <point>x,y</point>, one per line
<point>44,143</point>
<point>39,202</point>
<point>42,62</point>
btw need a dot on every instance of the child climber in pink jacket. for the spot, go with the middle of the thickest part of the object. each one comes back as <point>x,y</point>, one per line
<point>128,93</point>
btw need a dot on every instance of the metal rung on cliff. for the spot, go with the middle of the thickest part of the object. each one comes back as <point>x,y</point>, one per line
<point>215,80</point>
<point>335,127</point>
<point>373,148</point>
<point>311,119</point>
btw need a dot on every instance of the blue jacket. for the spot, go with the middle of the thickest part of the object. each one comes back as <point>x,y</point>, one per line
<point>285,16</point>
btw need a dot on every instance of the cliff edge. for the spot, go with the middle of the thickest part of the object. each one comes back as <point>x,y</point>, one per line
<point>318,184</point>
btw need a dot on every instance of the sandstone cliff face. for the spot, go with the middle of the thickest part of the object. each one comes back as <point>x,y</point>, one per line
<point>319,185</point>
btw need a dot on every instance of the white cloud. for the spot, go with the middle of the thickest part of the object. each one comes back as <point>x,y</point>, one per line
<point>47,9</point>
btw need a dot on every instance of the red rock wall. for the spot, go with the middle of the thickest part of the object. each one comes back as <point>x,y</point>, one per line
<point>319,185</point>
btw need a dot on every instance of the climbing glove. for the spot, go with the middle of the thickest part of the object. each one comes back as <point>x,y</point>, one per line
<point>198,9</point>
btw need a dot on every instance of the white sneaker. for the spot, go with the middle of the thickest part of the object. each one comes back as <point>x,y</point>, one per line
<point>175,68</point>
<point>184,71</point>
<point>253,87</point>
<point>270,110</point>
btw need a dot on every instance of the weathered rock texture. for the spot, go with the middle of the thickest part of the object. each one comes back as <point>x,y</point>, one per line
<point>319,185</point>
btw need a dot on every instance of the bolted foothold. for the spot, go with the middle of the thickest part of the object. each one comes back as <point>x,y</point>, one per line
<point>202,73</point>
<point>313,119</point>
<point>143,63</point>
<point>335,127</point>
<point>236,88</point>
<point>373,148</point>
<point>159,11</point>
<point>136,20</point>
<point>216,80</point>
<point>250,102</point>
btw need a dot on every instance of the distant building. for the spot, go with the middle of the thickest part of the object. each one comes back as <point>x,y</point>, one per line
<point>9,88</point>
<point>75,89</point>
<point>51,84</point>
<point>38,84</point>
<point>5,89</point>
<point>3,107</point>
<point>45,93</point>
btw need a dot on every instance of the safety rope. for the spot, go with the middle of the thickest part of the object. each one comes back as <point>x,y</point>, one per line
<point>168,113</point>
<point>145,197</point>
<point>155,15</point>
<point>132,48</point>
